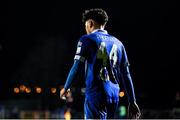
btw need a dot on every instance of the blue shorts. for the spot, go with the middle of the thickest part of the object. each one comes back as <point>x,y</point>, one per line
<point>100,110</point>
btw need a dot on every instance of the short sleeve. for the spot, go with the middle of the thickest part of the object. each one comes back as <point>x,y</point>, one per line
<point>81,51</point>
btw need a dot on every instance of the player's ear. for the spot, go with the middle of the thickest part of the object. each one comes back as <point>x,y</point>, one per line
<point>91,23</point>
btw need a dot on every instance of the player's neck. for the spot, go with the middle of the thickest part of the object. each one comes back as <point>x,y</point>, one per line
<point>101,27</point>
<point>97,28</point>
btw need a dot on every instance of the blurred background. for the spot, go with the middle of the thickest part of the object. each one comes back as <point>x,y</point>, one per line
<point>38,43</point>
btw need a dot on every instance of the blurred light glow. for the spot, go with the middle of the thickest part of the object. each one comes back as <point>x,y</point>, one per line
<point>67,115</point>
<point>38,89</point>
<point>22,88</point>
<point>28,90</point>
<point>121,94</point>
<point>16,90</point>
<point>53,90</point>
<point>83,90</point>
<point>122,110</point>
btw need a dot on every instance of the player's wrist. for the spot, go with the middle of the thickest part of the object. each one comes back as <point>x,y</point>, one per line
<point>66,89</point>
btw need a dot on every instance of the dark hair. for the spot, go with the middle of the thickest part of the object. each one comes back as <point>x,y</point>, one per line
<point>97,14</point>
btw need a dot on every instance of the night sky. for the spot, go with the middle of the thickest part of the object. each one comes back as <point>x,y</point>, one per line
<point>39,39</point>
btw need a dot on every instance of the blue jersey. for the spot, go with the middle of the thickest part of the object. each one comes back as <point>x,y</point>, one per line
<point>104,57</point>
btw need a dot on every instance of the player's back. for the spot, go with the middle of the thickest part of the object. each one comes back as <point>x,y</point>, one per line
<point>102,66</point>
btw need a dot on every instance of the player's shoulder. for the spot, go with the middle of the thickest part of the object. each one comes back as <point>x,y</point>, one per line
<point>88,37</point>
<point>84,37</point>
<point>116,40</point>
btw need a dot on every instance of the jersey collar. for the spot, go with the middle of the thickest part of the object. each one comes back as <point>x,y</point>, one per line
<point>99,30</point>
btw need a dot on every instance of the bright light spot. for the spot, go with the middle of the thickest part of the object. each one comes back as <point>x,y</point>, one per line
<point>122,110</point>
<point>121,94</point>
<point>83,90</point>
<point>67,115</point>
<point>16,90</point>
<point>28,90</point>
<point>38,90</point>
<point>22,88</point>
<point>53,90</point>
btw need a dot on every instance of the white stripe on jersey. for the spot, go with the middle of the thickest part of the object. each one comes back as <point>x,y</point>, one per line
<point>78,57</point>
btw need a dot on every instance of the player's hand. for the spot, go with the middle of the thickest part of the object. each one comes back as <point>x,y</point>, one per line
<point>133,111</point>
<point>63,93</point>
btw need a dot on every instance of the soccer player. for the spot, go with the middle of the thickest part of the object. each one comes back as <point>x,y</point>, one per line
<point>106,65</point>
